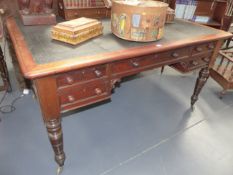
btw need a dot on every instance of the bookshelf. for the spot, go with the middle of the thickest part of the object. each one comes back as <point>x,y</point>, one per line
<point>207,12</point>
<point>71,9</point>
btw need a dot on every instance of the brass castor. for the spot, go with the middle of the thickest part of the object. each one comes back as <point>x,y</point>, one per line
<point>59,170</point>
<point>192,108</point>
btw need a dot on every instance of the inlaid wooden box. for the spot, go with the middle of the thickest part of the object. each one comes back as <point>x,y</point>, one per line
<point>77,31</point>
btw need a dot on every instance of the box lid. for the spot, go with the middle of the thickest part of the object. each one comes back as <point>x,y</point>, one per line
<point>77,24</point>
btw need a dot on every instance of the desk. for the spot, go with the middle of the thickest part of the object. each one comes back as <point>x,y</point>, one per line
<point>69,77</point>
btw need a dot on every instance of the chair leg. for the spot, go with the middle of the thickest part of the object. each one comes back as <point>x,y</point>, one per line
<point>228,43</point>
<point>162,70</point>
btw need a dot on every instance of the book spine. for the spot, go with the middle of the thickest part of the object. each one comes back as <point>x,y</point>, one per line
<point>183,7</point>
<point>86,3</point>
<point>71,3</point>
<point>186,10</point>
<point>75,4</point>
<point>180,8</point>
<point>194,9</point>
<point>81,3</point>
<point>177,8</point>
<point>66,3</point>
<point>190,6</point>
<point>93,3</point>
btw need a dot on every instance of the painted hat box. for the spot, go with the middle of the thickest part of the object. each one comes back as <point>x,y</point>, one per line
<point>138,20</point>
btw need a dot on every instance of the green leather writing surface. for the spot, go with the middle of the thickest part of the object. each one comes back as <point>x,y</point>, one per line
<point>46,50</point>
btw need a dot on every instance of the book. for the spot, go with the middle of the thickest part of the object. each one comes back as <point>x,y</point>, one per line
<point>185,9</point>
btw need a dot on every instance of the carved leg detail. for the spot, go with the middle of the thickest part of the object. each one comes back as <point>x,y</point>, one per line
<point>4,72</point>
<point>201,80</point>
<point>56,138</point>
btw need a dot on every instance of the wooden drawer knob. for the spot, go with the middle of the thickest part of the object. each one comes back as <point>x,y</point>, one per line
<point>206,59</point>
<point>98,91</point>
<point>199,49</point>
<point>71,98</point>
<point>135,64</point>
<point>183,64</point>
<point>156,56</point>
<point>211,46</point>
<point>98,73</point>
<point>69,80</point>
<point>194,63</point>
<point>175,55</point>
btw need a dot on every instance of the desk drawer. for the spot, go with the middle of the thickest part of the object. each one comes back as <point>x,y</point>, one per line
<point>137,64</point>
<point>195,62</point>
<point>83,94</point>
<point>87,74</point>
<point>203,48</point>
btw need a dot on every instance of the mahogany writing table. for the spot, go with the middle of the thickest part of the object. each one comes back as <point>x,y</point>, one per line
<point>69,77</point>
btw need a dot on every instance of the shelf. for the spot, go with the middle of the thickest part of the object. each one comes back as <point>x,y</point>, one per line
<point>209,22</point>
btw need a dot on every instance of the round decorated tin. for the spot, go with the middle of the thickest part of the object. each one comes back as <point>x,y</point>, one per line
<point>138,20</point>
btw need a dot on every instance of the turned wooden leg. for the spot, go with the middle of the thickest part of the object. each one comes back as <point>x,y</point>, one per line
<point>201,80</point>
<point>46,89</point>
<point>56,138</point>
<point>228,43</point>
